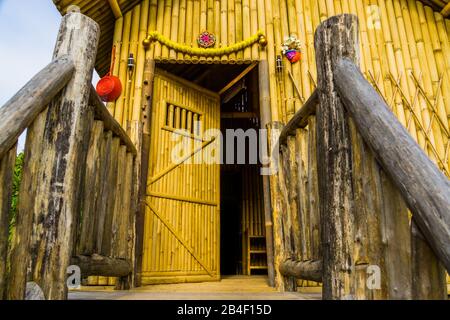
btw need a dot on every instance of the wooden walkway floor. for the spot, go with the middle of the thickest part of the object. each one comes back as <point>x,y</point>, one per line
<point>230,288</point>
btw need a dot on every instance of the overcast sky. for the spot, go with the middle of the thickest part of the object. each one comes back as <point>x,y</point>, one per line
<point>28,30</point>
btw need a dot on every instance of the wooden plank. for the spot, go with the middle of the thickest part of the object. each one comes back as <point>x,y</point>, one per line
<point>118,236</point>
<point>111,185</point>
<point>424,187</point>
<point>91,192</point>
<point>102,113</point>
<point>238,78</point>
<point>105,172</point>
<point>23,249</point>
<point>21,110</point>
<point>6,182</point>
<point>300,118</point>
<point>428,275</point>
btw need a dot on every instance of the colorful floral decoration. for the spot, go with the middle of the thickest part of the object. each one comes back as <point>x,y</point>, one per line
<point>206,40</point>
<point>292,49</point>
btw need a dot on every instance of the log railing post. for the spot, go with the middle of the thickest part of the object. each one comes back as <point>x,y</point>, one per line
<point>366,237</point>
<point>7,164</point>
<point>336,37</point>
<point>63,134</point>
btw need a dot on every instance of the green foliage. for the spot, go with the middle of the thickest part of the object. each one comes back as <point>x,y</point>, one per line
<point>15,195</point>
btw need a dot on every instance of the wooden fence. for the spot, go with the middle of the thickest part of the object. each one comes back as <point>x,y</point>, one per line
<point>350,174</point>
<point>77,197</point>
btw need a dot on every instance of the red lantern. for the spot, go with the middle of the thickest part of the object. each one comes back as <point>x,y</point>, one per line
<point>109,88</point>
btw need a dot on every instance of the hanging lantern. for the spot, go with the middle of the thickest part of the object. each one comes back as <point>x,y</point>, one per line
<point>109,88</point>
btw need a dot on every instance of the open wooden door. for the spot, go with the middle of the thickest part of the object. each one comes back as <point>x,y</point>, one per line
<point>182,222</point>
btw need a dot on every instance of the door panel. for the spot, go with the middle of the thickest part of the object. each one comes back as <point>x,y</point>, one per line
<point>181,233</point>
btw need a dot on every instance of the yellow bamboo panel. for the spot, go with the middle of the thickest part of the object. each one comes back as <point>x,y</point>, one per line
<point>185,207</point>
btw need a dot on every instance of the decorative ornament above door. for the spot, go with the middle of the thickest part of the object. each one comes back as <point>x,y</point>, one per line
<point>206,40</point>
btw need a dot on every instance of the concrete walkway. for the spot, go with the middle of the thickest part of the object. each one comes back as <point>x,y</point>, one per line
<point>230,288</point>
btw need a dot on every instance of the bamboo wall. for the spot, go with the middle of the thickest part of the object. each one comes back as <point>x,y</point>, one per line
<point>405,53</point>
<point>404,45</point>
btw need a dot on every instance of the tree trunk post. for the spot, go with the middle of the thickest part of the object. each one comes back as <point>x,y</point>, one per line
<point>65,138</point>
<point>335,38</point>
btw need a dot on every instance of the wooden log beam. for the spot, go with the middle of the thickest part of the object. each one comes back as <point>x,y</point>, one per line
<point>63,154</point>
<point>334,38</point>
<point>423,186</point>
<point>310,270</point>
<point>97,265</point>
<point>21,110</point>
<point>102,113</point>
<point>300,118</point>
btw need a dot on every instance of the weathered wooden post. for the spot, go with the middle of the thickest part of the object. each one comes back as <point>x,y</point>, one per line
<point>335,38</point>
<point>6,182</point>
<point>366,234</point>
<point>62,133</point>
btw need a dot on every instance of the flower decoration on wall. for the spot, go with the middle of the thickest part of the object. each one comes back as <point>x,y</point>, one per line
<point>206,39</point>
<point>291,48</point>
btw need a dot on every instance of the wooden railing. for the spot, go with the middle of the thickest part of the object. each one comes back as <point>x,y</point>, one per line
<point>77,199</point>
<point>350,174</point>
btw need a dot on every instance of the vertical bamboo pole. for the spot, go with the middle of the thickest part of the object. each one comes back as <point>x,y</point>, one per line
<point>174,28</point>
<point>271,56</point>
<point>195,27</point>
<point>120,103</point>
<point>246,28</point>
<point>153,11</point>
<point>217,24</point>
<point>117,42</point>
<point>182,27</point>
<point>239,27</point>
<point>232,28</point>
<point>224,26</point>
<point>189,27</point>
<point>253,8</point>
<point>159,27</point>
<point>167,27</point>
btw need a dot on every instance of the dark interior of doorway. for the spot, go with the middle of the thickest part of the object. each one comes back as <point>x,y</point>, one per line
<point>242,228</point>
<point>242,223</point>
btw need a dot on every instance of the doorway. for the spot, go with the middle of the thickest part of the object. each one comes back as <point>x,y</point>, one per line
<point>202,220</point>
<point>243,249</point>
